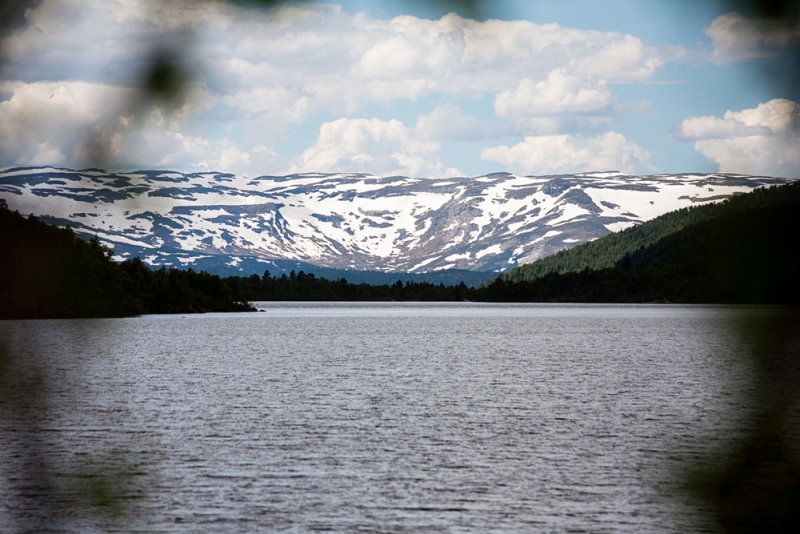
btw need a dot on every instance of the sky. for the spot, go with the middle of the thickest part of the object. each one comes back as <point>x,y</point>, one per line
<point>403,88</point>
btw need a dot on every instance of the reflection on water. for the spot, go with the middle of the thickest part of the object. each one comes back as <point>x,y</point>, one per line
<point>385,417</point>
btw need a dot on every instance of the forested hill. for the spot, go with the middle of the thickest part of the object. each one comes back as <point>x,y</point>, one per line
<point>609,250</point>
<point>48,272</point>
<point>745,254</point>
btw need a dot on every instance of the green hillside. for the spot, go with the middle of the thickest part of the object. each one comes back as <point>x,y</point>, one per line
<point>609,250</point>
<point>745,254</point>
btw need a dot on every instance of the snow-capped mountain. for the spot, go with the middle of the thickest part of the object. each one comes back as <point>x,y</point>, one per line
<point>354,221</point>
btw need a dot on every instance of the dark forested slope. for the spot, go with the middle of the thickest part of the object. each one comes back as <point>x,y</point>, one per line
<point>47,271</point>
<point>607,251</point>
<point>746,253</point>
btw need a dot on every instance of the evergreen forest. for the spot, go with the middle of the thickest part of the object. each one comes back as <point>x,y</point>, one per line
<point>48,272</point>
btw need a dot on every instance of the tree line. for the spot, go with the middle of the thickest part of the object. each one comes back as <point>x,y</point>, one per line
<point>308,287</point>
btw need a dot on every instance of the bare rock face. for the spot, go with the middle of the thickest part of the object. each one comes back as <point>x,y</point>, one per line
<point>354,221</point>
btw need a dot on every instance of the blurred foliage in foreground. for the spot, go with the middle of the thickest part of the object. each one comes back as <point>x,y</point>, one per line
<point>41,494</point>
<point>753,485</point>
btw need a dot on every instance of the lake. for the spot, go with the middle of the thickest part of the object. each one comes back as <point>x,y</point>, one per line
<point>359,417</point>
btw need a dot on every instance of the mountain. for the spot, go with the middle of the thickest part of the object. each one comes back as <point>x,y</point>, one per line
<point>352,221</point>
<point>740,251</point>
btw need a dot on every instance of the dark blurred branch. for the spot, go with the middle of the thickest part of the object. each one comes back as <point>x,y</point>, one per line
<point>12,14</point>
<point>756,488</point>
<point>772,9</point>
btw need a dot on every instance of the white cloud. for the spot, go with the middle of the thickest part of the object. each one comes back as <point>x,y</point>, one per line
<point>558,93</point>
<point>577,96</point>
<point>781,116</point>
<point>263,70</point>
<point>622,59</point>
<point>174,150</point>
<point>70,123</point>
<point>371,146</point>
<point>559,103</point>
<point>166,148</point>
<point>47,119</point>
<point>736,38</point>
<point>757,155</point>
<point>763,140</point>
<point>278,104</point>
<point>554,154</point>
<point>713,127</point>
<point>341,61</point>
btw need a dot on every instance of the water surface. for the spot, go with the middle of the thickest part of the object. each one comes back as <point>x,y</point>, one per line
<point>380,417</point>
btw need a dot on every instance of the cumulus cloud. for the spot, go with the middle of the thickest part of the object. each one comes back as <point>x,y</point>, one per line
<point>340,61</point>
<point>263,70</point>
<point>49,123</point>
<point>371,146</point>
<point>556,154</point>
<point>560,102</point>
<point>558,93</point>
<point>578,96</point>
<point>764,140</point>
<point>75,123</point>
<point>277,104</point>
<point>165,148</point>
<point>735,37</point>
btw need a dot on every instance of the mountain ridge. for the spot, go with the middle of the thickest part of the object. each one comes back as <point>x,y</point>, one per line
<point>353,221</point>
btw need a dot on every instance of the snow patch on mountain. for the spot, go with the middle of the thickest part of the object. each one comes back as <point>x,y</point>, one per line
<point>355,221</point>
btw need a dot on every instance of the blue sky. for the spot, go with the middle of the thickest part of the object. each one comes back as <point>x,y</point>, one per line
<point>398,87</point>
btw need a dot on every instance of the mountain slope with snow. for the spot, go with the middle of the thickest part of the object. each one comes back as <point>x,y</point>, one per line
<point>354,221</point>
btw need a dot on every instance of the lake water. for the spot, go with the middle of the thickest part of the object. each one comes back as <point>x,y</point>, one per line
<point>370,417</point>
